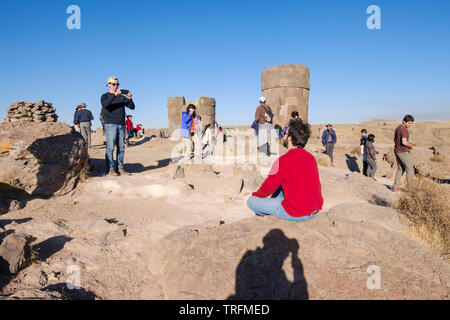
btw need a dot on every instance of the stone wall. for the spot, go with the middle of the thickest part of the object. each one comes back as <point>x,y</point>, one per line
<point>206,108</point>
<point>41,111</point>
<point>286,88</point>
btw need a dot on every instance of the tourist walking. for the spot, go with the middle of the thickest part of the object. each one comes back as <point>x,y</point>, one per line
<point>329,139</point>
<point>264,118</point>
<point>402,151</point>
<point>113,113</point>
<point>83,119</point>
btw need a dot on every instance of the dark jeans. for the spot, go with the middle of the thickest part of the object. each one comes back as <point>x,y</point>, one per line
<point>365,167</point>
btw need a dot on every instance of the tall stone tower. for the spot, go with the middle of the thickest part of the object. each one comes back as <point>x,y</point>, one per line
<point>286,88</point>
<point>206,108</point>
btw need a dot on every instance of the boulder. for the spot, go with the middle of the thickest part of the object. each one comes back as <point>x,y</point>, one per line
<point>15,249</point>
<point>42,159</point>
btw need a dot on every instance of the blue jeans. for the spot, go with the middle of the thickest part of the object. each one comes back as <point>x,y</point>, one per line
<point>272,206</point>
<point>115,136</point>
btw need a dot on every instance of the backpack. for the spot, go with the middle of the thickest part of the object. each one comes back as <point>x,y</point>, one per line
<point>268,116</point>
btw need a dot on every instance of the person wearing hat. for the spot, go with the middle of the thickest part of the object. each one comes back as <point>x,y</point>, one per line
<point>113,113</point>
<point>83,120</point>
<point>76,125</point>
<point>264,119</point>
<point>329,140</point>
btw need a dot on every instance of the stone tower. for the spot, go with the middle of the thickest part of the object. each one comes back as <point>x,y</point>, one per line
<point>206,108</point>
<point>286,88</point>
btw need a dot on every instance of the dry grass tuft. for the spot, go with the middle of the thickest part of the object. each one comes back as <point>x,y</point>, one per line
<point>427,205</point>
<point>324,161</point>
<point>438,158</point>
<point>356,151</point>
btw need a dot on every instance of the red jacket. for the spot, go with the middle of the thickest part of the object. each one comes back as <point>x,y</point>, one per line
<point>298,175</point>
<point>128,125</point>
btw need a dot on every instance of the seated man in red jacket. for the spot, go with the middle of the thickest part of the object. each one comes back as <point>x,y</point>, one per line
<point>293,182</point>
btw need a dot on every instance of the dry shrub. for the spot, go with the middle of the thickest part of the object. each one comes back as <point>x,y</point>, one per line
<point>390,158</point>
<point>356,151</point>
<point>4,146</point>
<point>426,204</point>
<point>438,158</point>
<point>323,161</point>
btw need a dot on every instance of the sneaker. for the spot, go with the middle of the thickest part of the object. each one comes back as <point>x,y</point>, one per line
<point>111,173</point>
<point>122,172</point>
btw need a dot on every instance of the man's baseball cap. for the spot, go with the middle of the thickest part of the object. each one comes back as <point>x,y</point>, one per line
<point>112,78</point>
<point>83,105</point>
<point>262,99</point>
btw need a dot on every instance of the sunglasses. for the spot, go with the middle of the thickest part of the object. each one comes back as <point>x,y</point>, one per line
<point>114,84</point>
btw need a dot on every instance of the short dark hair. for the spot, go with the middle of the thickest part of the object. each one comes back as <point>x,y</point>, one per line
<point>294,114</point>
<point>300,132</point>
<point>408,118</point>
<point>191,106</point>
<point>363,131</point>
<point>371,137</point>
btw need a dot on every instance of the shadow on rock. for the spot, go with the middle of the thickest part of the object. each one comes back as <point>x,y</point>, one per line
<point>49,247</point>
<point>71,294</point>
<point>4,223</point>
<point>260,275</point>
<point>376,200</point>
<point>61,159</point>
<point>352,163</point>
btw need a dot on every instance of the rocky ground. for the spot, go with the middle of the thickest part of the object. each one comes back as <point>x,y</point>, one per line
<point>169,233</point>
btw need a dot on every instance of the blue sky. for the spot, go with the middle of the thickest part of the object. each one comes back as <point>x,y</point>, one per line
<point>160,49</point>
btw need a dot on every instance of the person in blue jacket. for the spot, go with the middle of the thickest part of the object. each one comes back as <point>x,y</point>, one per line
<point>329,140</point>
<point>188,130</point>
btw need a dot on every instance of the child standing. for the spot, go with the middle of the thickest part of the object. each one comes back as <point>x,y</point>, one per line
<point>370,155</point>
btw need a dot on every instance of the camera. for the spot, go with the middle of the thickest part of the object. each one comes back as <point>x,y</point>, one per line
<point>124,91</point>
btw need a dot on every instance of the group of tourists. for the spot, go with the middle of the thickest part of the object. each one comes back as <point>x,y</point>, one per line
<point>137,132</point>
<point>292,190</point>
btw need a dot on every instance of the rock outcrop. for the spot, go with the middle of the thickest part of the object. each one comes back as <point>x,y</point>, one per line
<point>39,159</point>
<point>16,251</point>
<point>41,111</point>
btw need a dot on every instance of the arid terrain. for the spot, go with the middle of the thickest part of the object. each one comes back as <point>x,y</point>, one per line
<point>169,232</point>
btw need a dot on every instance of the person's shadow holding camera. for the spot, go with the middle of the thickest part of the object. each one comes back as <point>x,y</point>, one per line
<point>259,275</point>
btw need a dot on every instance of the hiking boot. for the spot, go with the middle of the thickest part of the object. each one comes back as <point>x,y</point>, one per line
<point>122,172</point>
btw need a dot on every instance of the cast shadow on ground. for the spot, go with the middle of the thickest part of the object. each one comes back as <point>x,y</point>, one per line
<point>352,163</point>
<point>259,275</point>
<point>139,168</point>
<point>71,294</point>
<point>49,247</point>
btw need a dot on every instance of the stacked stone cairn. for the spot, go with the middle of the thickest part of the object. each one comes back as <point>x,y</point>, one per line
<point>41,111</point>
